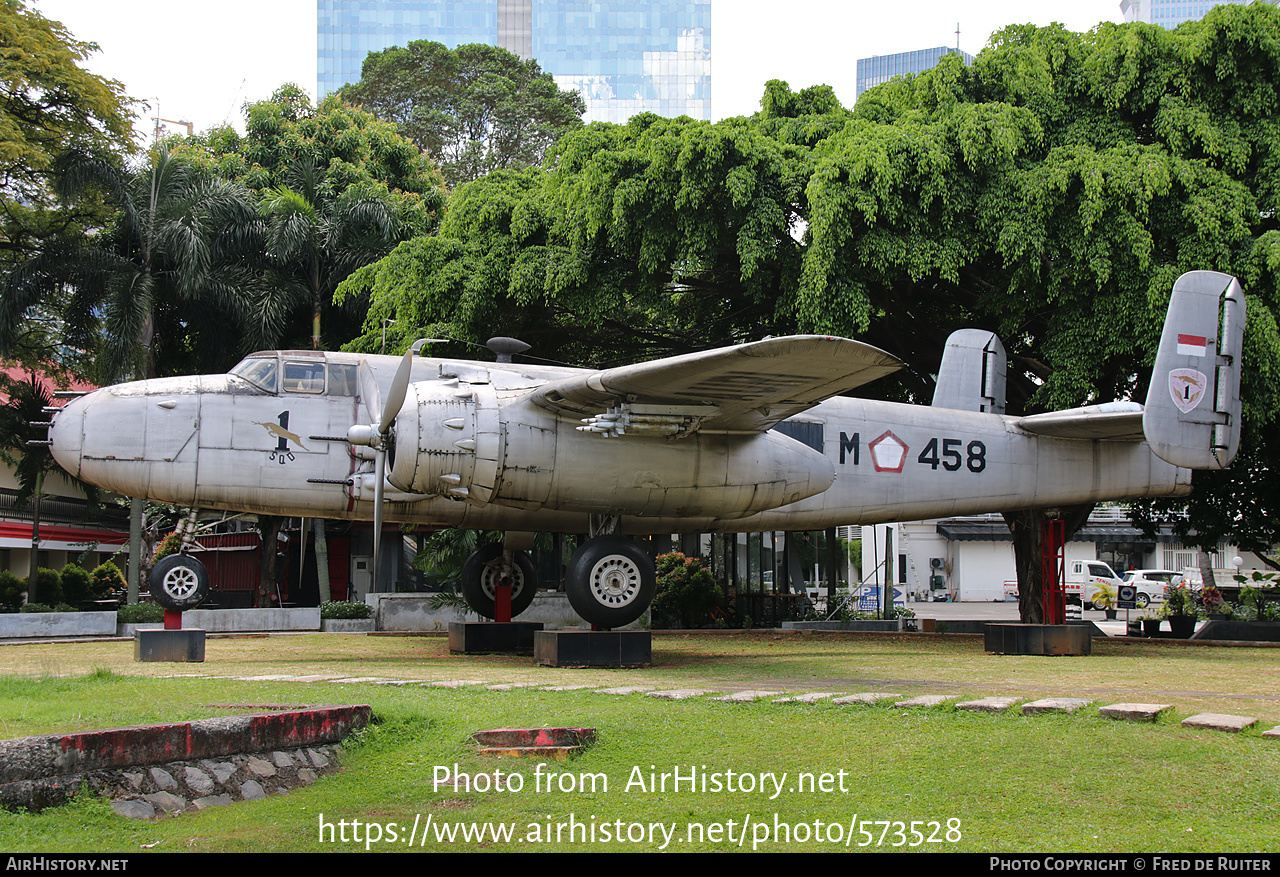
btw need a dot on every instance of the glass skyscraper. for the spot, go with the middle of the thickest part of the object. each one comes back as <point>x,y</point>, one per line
<point>881,68</point>
<point>623,56</point>
<point>1171,13</point>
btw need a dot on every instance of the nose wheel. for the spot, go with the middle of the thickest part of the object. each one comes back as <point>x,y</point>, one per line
<point>610,581</point>
<point>483,572</point>
<point>179,582</point>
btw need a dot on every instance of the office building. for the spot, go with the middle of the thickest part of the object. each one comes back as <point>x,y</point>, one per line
<point>881,68</point>
<point>1171,13</point>
<point>623,56</point>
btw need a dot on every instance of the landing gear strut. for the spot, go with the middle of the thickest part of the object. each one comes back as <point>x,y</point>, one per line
<point>484,571</point>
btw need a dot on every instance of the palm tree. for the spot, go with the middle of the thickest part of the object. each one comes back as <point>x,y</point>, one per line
<point>317,237</point>
<point>167,280</point>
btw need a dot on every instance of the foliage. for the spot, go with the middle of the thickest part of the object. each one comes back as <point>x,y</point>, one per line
<point>139,613</point>
<point>1178,602</point>
<point>474,109</point>
<point>340,609</point>
<point>13,591</point>
<point>48,104</point>
<point>687,593</point>
<point>76,584</point>
<point>30,463</point>
<point>106,579</point>
<point>1104,597</point>
<point>168,545</point>
<point>337,188</point>
<point>444,552</point>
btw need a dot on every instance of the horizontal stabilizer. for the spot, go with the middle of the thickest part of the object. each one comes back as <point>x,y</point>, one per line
<point>1114,421</point>
<point>1192,415</point>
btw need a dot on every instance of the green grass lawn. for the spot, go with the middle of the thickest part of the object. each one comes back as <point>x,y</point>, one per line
<point>954,780</point>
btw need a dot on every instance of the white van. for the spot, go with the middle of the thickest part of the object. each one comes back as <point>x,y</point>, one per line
<point>1085,577</point>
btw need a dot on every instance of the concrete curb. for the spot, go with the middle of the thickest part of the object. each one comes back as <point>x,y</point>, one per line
<point>45,770</point>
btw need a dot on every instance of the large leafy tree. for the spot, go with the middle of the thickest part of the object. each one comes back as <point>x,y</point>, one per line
<point>48,104</point>
<point>337,189</point>
<point>474,109</point>
<point>1051,192</point>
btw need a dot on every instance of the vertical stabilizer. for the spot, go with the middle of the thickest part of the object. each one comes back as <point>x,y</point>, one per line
<point>1192,415</point>
<point>972,374</point>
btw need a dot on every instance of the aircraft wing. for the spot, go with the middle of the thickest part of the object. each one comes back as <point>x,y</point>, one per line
<point>750,387</point>
<point>1114,421</point>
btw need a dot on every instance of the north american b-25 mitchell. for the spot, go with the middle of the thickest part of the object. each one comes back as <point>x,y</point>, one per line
<point>747,438</point>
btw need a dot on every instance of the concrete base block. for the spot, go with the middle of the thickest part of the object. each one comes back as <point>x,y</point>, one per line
<point>186,645</point>
<point>1038,639</point>
<point>592,648</point>
<point>483,637</point>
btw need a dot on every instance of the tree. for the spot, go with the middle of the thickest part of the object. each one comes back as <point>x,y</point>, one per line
<point>48,104</point>
<point>161,287</point>
<point>1051,192</point>
<point>474,109</point>
<point>337,188</point>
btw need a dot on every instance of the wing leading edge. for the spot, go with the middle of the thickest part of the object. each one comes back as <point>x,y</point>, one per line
<point>750,387</point>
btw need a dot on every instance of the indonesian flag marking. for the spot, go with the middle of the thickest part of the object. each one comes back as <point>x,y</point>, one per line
<point>1192,345</point>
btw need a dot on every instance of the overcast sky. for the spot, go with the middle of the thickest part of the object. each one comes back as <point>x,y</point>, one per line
<point>202,59</point>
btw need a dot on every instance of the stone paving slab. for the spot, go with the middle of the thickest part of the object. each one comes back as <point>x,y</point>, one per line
<point>927,700</point>
<point>988,704</point>
<point>1054,705</point>
<point>455,683</point>
<point>566,687</point>
<point>625,689</point>
<point>866,697</point>
<point>680,693</point>
<point>809,697</point>
<point>511,686</point>
<point>1274,732</point>
<point>1219,722</point>
<point>1134,712</point>
<point>747,696</point>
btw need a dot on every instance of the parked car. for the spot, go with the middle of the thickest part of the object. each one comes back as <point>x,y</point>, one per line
<point>1086,577</point>
<point>1151,584</point>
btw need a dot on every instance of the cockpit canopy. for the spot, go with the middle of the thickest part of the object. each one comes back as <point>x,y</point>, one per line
<point>304,372</point>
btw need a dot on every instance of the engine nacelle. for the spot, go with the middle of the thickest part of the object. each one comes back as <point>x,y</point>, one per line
<point>468,441</point>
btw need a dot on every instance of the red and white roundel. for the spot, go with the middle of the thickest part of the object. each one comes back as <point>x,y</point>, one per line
<point>888,452</point>
<point>1187,386</point>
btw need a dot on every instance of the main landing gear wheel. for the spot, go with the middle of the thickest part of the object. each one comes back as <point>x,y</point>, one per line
<point>179,582</point>
<point>482,573</point>
<point>610,581</point>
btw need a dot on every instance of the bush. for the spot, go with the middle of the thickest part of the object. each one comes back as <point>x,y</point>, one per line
<point>76,584</point>
<point>106,580</point>
<point>36,607</point>
<point>337,609</point>
<point>687,594</point>
<point>12,591</point>
<point>48,586</point>
<point>139,613</point>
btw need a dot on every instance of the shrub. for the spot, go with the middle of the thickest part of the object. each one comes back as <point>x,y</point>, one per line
<point>139,613</point>
<point>687,594</point>
<point>12,590</point>
<point>106,579</point>
<point>338,609</point>
<point>76,584</point>
<point>48,586</point>
<point>36,607</point>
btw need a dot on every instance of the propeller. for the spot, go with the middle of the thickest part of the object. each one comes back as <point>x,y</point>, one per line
<point>380,436</point>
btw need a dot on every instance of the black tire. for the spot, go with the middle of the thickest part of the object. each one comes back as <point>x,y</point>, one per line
<point>480,578</point>
<point>179,582</point>
<point>610,581</point>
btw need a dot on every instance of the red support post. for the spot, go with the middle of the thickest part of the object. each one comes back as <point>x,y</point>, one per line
<point>172,620</point>
<point>1053,568</point>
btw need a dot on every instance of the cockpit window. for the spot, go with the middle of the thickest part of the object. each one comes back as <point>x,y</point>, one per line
<point>343,379</point>
<point>303,377</point>
<point>259,371</point>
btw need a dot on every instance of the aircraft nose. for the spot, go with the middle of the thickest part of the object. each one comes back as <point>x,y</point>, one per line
<point>67,433</point>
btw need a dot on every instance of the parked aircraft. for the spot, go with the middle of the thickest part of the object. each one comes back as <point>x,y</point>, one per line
<point>748,438</point>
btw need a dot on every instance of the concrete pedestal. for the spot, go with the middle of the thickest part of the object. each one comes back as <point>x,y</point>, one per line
<point>593,648</point>
<point>483,637</point>
<point>1038,639</point>
<point>186,645</point>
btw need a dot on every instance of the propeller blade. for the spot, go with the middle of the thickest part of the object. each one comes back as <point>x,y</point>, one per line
<point>380,469</point>
<point>370,395</point>
<point>399,388</point>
